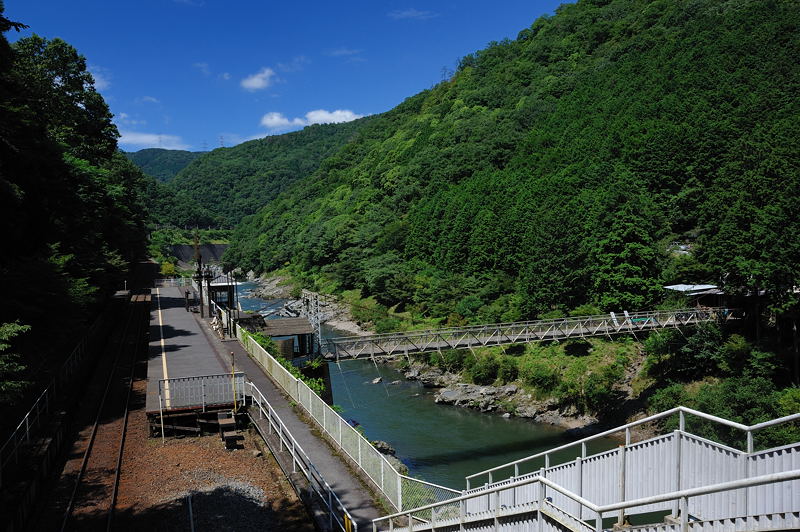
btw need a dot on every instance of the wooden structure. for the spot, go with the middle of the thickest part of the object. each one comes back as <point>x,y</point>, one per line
<point>299,328</point>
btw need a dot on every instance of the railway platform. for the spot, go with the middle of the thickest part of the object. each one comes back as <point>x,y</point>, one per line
<point>184,345</point>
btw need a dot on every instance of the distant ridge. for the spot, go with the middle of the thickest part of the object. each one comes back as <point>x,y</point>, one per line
<point>162,164</point>
<point>209,252</point>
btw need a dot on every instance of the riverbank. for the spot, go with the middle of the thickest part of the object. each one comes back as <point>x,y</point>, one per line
<point>450,389</point>
<point>334,314</point>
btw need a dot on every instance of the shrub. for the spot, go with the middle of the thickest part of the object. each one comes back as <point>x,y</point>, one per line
<point>537,373</point>
<point>484,371</point>
<point>507,369</point>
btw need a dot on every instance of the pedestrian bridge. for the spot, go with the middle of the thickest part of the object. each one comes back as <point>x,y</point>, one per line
<point>405,343</point>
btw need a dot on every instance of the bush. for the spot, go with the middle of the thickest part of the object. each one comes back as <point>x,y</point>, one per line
<point>537,373</point>
<point>507,370</point>
<point>586,310</point>
<point>484,371</point>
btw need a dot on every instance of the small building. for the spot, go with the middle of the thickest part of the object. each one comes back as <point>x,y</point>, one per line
<point>298,330</point>
<point>700,295</point>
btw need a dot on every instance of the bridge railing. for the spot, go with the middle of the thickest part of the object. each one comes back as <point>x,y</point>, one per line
<point>455,511</point>
<point>400,490</point>
<point>513,469</point>
<point>516,332</point>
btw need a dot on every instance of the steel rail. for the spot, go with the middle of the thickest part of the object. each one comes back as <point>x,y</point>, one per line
<point>137,340</point>
<point>87,453</point>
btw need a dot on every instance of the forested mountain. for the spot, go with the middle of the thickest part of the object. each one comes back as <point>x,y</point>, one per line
<point>564,168</point>
<point>70,204</point>
<point>160,163</point>
<point>231,183</point>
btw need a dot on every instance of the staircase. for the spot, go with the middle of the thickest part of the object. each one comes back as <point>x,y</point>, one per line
<point>673,481</point>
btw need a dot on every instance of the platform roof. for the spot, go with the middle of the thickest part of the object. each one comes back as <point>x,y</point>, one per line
<point>287,327</point>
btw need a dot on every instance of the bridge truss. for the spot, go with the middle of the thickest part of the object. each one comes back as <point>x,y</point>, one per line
<point>405,343</point>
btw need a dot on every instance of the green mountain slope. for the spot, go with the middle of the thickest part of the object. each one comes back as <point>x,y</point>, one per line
<point>162,164</point>
<point>232,183</point>
<point>563,167</point>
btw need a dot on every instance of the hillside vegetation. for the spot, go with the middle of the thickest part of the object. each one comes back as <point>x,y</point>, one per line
<point>231,183</point>
<point>160,163</point>
<point>72,207</point>
<point>612,148</point>
<point>566,167</point>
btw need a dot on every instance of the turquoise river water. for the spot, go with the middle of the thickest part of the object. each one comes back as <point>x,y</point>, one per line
<point>439,444</point>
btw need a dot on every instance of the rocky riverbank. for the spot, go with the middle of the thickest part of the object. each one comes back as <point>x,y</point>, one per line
<point>509,400</point>
<point>334,314</point>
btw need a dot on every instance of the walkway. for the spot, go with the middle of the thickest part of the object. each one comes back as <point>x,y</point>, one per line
<point>403,343</point>
<point>199,350</point>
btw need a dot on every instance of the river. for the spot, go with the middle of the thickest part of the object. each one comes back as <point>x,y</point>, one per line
<point>439,444</point>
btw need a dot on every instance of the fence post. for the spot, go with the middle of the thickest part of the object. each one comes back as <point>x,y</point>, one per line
<point>294,457</point>
<point>675,504</point>
<point>539,515</point>
<point>399,492</point>
<point>621,484</point>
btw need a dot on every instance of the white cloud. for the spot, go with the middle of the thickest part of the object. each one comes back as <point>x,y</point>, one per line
<point>203,68</point>
<point>101,77</point>
<point>412,13</point>
<point>225,75</point>
<point>260,80</point>
<point>125,119</point>
<point>277,121</point>
<point>321,116</point>
<point>152,140</point>
<point>147,99</point>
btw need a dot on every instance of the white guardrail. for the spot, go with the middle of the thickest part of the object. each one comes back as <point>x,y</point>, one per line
<point>317,485</point>
<point>402,491</point>
<point>454,512</point>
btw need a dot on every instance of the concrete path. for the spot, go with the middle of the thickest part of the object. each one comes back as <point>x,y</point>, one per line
<point>206,345</point>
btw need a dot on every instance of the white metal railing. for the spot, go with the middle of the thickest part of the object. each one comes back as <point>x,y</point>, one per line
<point>318,486</point>
<point>453,512</point>
<point>171,281</point>
<point>31,422</point>
<point>749,430</point>
<point>201,391</point>
<point>518,332</point>
<point>401,490</point>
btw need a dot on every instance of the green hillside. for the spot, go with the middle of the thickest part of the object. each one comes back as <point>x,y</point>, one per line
<point>232,183</point>
<point>162,164</point>
<point>564,168</point>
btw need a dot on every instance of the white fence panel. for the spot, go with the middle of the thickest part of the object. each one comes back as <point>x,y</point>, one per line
<point>774,498</point>
<point>704,462</point>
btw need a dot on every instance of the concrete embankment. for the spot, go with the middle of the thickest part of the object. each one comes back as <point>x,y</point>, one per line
<point>210,253</point>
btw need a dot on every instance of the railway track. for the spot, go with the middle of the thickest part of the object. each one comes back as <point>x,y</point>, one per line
<point>85,496</point>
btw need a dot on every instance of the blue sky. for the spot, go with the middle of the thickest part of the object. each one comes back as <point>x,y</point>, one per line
<point>195,74</point>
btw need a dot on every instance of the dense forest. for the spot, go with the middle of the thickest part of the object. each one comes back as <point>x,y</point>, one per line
<point>71,206</point>
<point>160,163</point>
<point>235,182</point>
<point>611,149</point>
<point>567,167</point>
